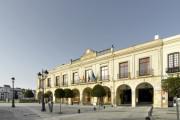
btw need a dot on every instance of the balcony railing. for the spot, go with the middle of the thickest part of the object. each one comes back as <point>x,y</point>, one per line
<point>64,84</point>
<point>83,81</point>
<point>104,78</point>
<point>75,82</point>
<point>57,84</point>
<point>173,70</point>
<point>123,76</point>
<point>48,85</point>
<point>148,72</point>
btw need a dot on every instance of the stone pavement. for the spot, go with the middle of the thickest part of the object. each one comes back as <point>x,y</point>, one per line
<point>33,112</point>
<point>165,113</point>
<point>6,115</point>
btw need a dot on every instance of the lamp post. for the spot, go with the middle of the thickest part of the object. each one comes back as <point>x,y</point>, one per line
<point>42,76</point>
<point>13,104</point>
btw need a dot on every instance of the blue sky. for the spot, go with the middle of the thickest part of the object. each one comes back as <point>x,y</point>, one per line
<point>36,34</point>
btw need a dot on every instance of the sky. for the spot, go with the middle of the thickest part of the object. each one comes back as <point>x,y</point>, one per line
<point>42,34</point>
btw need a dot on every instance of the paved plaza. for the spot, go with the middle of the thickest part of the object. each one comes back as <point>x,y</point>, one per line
<point>33,112</point>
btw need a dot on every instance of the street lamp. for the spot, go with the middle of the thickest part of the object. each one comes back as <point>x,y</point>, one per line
<point>42,76</point>
<point>13,104</point>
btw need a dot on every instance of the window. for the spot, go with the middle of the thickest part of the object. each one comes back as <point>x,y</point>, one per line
<point>88,75</point>
<point>104,73</point>
<point>75,78</point>
<point>144,66</point>
<point>64,79</point>
<point>123,70</point>
<point>57,80</point>
<point>49,82</point>
<point>173,60</point>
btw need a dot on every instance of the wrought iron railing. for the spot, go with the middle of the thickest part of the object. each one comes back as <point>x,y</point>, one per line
<point>64,84</point>
<point>75,82</point>
<point>124,75</point>
<point>173,70</point>
<point>145,72</point>
<point>104,78</point>
<point>83,81</point>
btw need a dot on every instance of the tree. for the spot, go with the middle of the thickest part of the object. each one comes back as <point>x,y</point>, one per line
<point>172,86</point>
<point>68,93</point>
<point>28,94</point>
<point>49,93</point>
<point>99,92</point>
<point>48,96</point>
<point>59,93</point>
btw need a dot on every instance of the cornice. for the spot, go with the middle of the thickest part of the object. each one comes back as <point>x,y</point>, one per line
<point>171,41</point>
<point>137,48</point>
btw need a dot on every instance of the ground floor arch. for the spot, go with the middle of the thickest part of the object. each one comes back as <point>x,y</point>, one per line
<point>144,94</point>
<point>87,98</point>
<point>76,96</point>
<point>123,95</point>
<point>107,98</point>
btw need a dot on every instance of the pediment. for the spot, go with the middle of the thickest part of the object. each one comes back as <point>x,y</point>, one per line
<point>89,53</point>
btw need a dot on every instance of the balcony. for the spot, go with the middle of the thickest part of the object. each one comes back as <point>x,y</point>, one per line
<point>56,84</point>
<point>173,70</point>
<point>144,73</point>
<point>83,81</point>
<point>75,82</point>
<point>65,84</point>
<point>48,86</point>
<point>104,78</point>
<point>123,76</point>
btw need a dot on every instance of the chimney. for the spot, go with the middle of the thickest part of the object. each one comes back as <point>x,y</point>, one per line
<point>156,37</point>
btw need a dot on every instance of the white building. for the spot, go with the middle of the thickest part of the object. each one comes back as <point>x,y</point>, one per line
<point>6,93</point>
<point>131,76</point>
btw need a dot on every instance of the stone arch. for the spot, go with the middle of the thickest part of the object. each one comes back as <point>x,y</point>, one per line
<point>87,98</point>
<point>144,93</point>
<point>76,97</point>
<point>124,95</point>
<point>107,98</point>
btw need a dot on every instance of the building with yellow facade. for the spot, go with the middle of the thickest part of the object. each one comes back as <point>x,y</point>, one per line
<point>130,76</point>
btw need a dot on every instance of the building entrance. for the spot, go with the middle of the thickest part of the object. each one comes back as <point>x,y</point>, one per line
<point>123,95</point>
<point>126,97</point>
<point>144,94</point>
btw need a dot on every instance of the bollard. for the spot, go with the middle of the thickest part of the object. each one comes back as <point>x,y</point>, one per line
<point>94,108</point>
<point>147,118</point>
<point>104,107</point>
<point>79,111</point>
<point>51,106</point>
<point>177,109</point>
